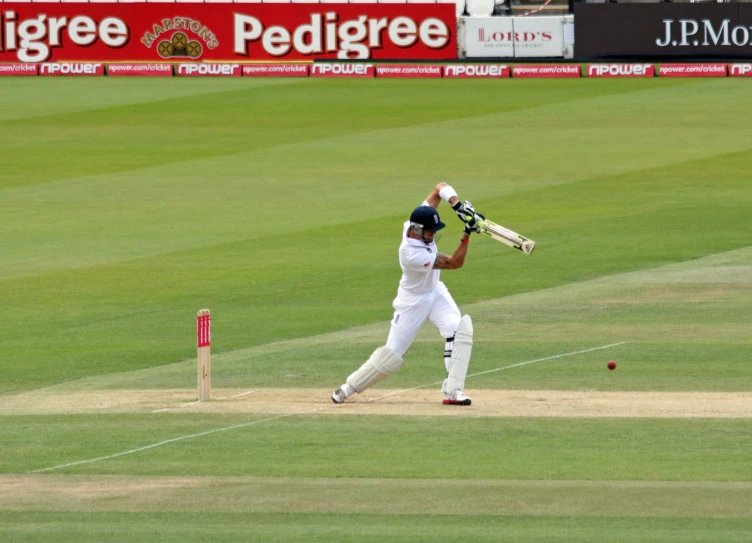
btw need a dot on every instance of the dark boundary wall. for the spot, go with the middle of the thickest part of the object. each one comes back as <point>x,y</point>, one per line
<point>663,31</point>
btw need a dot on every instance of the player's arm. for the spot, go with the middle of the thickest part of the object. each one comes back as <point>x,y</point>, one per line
<point>465,211</point>
<point>457,260</point>
<point>440,192</point>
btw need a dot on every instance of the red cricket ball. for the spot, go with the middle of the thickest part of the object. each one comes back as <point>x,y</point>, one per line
<point>612,365</point>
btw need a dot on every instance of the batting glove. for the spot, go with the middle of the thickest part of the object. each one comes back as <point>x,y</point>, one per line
<point>464,211</point>
<point>474,224</point>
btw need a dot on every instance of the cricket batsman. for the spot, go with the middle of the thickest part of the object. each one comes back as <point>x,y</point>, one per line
<point>422,296</point>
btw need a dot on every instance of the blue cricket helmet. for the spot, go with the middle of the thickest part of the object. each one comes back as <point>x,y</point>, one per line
<point>427,218</point>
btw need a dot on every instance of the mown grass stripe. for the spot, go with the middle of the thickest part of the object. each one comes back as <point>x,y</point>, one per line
<point>326,495</point>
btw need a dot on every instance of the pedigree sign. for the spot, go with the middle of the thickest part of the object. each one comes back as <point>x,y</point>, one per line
<point>48,32</point>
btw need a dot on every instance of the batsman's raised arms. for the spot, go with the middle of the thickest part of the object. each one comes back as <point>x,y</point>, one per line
<point>508,237</point>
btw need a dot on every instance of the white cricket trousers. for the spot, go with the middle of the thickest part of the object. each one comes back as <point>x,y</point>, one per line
<point>436,306</point>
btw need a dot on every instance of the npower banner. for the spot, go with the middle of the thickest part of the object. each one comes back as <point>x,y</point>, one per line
<point>48,32</point>
<point>663,30</point>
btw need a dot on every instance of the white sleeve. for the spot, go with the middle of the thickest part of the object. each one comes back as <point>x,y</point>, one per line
<point>419,260</point>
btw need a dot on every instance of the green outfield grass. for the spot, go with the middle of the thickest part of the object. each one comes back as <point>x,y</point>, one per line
<point>128,205</point>
<point>301,446</point>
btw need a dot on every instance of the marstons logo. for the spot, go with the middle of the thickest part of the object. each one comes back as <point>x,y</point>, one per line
<point>178,44</point>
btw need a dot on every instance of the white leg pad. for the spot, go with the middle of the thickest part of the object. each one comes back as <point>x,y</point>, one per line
<point>383,362</point>
<point>463,348</point>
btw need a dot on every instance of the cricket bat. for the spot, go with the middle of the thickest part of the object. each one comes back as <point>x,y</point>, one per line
<point>508,237</point>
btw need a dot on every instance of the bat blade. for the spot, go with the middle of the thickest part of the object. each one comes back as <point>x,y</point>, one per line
<point>508,237</point>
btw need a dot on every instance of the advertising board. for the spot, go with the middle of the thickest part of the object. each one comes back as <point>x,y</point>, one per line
<point>225,32</point>
<point>507,37</point>
<point>663,31</point>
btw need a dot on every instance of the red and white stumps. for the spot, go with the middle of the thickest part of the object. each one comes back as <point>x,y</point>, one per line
<point>203,340</point>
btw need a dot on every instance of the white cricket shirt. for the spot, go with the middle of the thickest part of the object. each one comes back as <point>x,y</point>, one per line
<point>416,260</point>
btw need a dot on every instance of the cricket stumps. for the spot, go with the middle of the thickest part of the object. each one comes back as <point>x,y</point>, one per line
<point>203,340</point>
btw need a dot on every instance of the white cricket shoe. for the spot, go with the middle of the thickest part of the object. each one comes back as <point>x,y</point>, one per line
<point>456,398</point>
<point>342,393</point>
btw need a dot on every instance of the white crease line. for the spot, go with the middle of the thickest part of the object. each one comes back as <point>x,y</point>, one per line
<point>198,401</point>
<point>241,394</point>
<point>247,424</point>
<point>178,407</point>
<point>153,445</point>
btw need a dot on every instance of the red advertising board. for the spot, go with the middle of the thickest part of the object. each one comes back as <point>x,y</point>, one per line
<point>19,69</point>
<point>140,69</point>
<point>693,70</point>
<point>547,70</point>
<point>175,32</point>
<point>200,69</point>
<point>477,70</point>
<point>71,68</point>
<point>620,70</point>
<point>276,70</point>
<point>408,70</point>
<point>342,69</point>
<point>735,70</point>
